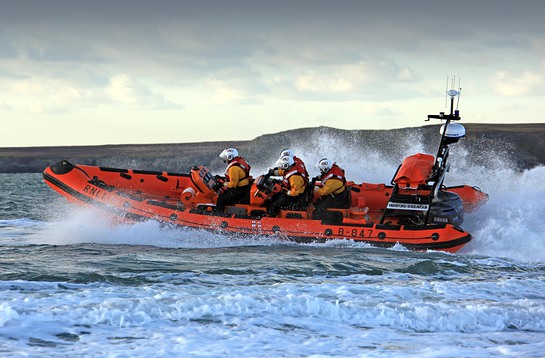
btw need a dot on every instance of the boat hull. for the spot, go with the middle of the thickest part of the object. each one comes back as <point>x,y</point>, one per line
<point>135,196</point>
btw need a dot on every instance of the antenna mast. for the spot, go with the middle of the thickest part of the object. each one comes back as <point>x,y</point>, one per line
<point>452,93</point>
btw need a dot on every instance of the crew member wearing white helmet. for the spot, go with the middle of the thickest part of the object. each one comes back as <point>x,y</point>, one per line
<point>332,192</point>
<point>294,185</point>
<point>290,153</point>
<point>237,179</point>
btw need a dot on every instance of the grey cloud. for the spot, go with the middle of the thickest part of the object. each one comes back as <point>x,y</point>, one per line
<point>436,15</point>
<point>7,51</point>
<point>180,42</point>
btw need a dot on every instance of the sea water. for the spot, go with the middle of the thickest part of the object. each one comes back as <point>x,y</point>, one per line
<point>74,285</point>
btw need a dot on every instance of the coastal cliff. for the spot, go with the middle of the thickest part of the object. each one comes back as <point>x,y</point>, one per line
<point>523,145</point>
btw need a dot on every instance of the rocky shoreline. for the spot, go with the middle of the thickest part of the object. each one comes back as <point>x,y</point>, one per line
<point>523,145</point>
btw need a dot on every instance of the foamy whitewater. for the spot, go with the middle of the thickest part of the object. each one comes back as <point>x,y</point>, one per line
<point>74,285</point>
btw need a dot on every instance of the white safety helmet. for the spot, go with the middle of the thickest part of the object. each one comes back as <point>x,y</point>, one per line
<point>228,154</point>
<point>324,165</point>
<point>287,152</point>
<point>285,162</point>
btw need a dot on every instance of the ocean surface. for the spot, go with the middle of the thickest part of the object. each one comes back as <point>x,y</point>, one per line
<point>74,285</point>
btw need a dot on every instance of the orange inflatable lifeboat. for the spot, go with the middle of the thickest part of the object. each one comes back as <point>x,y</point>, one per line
<point>416,210</point>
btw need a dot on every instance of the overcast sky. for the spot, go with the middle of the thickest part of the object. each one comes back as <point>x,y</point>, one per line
<point>131,71</point>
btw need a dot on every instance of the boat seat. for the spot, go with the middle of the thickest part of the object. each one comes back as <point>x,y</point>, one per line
<point>358,213</point>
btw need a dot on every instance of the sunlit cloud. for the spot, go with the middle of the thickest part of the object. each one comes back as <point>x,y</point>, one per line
<point>124,89</point>
<point>222,93</point>
<point>509,84</point>
<point>40,95</point>
<point>315,82</point>
<point>129,91</point>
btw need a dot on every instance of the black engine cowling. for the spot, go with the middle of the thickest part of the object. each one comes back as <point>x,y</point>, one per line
<point>446,208</point>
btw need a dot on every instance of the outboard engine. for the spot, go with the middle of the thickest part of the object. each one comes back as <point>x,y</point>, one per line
<point>446,208</point>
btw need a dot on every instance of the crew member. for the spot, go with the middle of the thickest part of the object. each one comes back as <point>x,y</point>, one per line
<point>294,185</point>
<point>290,153</point>
<point>332,192</point>
<point>236,187</point>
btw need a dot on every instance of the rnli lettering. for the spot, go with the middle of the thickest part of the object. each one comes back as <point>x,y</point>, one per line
<point>352,232</point>
<point>94,191</point>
